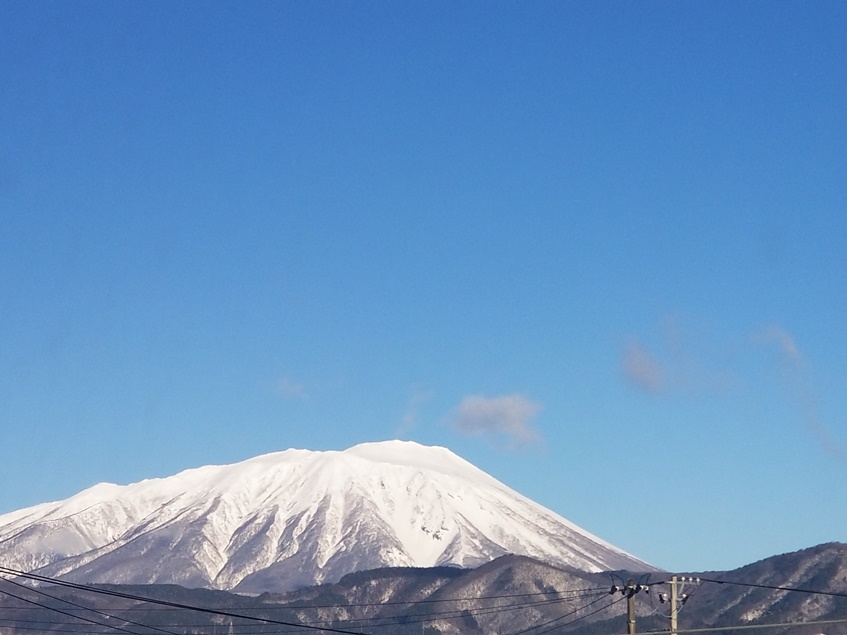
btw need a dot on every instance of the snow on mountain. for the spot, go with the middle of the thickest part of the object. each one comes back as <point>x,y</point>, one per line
<point>294,518</point>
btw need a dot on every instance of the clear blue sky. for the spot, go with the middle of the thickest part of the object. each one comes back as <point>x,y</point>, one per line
<point>595,248</point>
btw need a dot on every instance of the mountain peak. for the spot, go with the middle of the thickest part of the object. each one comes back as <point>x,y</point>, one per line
<point>296,517</point>
<point>413,454</point>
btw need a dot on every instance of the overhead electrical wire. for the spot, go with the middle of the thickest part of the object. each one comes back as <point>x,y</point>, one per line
<point>378,622</point>
<point>420,616</point>
<point>429,617</point>
<point>480,610</point>
<point>86,608</point>
<point>40,629</point>
<point>777,588</point>
<point>76,617</point>
<point>565,594</point>
<point>415,617</point>
<point>130,596</point>
<point>755,585</point>
<point>423,617</point>
<point>582,617</point>
<point>434,601</point>
<point>385,620</point>
<point>745,627</point>
<point>568,614</point>
<point>389,620</point>
<point>394,620</point>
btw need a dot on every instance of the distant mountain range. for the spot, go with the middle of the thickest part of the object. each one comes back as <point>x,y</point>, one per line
<point>802,593</point>
<point>517,595</point>
<point>291,519</point>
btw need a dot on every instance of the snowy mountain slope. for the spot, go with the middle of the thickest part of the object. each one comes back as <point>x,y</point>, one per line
<point>294,518</point>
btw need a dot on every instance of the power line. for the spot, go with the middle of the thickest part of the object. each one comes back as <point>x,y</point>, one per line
<point>564,595</point>
<point>568,614</point>
<point>582,617</point>
<point>576,592</point>
<point>421,617</point>
<point>717,629</point>
<point>52,597</point>
<point>777,588</point>
<point>432,601</point>
<point>40,629</point>
<point>178,605</point>
<point>414,617</point>
<point>427,617</point>
<point>76,617</point>
<point>410,603</point>
<point>388,620</point>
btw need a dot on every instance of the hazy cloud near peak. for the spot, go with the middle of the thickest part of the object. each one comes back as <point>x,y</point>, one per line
<point>642,369</point>
<point>504,416</point>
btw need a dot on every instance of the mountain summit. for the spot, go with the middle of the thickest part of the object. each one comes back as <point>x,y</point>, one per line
<point>289,519</point>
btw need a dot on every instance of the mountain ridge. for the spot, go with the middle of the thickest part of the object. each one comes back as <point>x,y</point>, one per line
<point>509,595</point>
<point>295,518</point>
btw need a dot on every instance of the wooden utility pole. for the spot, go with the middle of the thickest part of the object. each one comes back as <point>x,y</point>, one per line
<point>674,600</point>
<point>630,607</point>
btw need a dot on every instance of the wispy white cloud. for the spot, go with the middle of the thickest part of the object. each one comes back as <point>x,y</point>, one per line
<point>684,360</point>
<point>506,416</point>
<point>796,371</point>
<point>773,334</point>
<point>827,441</point>
<point>642,369</point>
<point>690,363</point>
<point>291,388</point>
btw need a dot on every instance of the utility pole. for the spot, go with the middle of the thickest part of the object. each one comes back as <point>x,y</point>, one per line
<point>674,600</point>
<point>631,589</point>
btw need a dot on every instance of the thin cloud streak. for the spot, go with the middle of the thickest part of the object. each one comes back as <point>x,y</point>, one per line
<point>685,361</point>
<point>795,370</point>
<point>784,341</point>
<point>680,371</point>
<point>641,369</point>
<point>290,388</point>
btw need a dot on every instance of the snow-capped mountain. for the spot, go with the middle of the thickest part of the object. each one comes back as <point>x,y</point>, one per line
<point>294,518</point>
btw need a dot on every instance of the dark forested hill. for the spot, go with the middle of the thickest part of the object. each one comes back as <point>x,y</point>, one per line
<point>512,595</point>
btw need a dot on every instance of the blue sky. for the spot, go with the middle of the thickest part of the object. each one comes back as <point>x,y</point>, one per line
<point>596,249</point>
